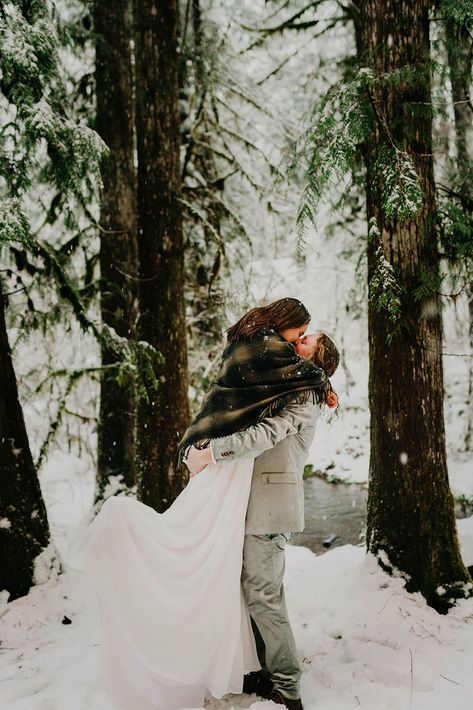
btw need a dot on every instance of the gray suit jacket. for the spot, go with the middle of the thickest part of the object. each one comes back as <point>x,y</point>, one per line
<point>280,445</point>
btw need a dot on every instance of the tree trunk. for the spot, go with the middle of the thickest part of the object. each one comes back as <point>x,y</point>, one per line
<point>459,52</point>
<point>163,419</point>
<point>118,245</point>
<point>24,528</point>
<point>411,520</point>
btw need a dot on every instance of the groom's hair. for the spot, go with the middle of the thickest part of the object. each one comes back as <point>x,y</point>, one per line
<point>326,354</point>
<point>279,315</point>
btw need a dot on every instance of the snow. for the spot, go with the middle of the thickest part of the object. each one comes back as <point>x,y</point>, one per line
<point>46,564</point>
<point>363,641</point>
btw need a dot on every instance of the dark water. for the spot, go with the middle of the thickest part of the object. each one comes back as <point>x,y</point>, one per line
<point>335,514</point>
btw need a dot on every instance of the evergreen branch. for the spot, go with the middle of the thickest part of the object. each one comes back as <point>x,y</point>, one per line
<point>81,417</point>
<point>243,94</point>
<point>285,23</point>
<point>287,59</point>
<point>192,140</point>
<point>239,117</point>
<point>74,374</point>
<point>249,144</point>
<point>236,219</point>
<point>66,287</point>
<point>244,173</point>
<point>197,213</point>
<point>14,226</point>
<point>458,11</point>
<point>288,24</point>
<point>54,425</point>
<point>284,5</point>
<point>97,225</point>
<point>208,146</point>
<point>398,183</point>
<point>384,291</point>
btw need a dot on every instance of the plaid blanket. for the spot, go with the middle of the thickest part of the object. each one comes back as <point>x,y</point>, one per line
<point>257,378</point>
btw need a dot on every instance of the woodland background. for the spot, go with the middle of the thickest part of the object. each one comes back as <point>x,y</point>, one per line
<point>165,166</point>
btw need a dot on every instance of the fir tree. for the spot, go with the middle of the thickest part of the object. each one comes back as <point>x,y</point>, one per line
<point>163,413</point>
<point>382,115</point>
<point>118,243</point>
<point>40,143</point>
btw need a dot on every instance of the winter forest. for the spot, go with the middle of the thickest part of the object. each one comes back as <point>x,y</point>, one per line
<point>164,167</point>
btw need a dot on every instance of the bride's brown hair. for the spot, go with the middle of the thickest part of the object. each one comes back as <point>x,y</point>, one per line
<point>327,357</point>
<point>325,354</point>
<point>280,315</point>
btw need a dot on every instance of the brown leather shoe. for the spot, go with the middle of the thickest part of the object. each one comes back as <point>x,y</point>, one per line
<point>278,698</point>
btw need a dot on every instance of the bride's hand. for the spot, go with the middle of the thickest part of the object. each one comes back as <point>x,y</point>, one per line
<point>332,400</point>
<point>197,459</point>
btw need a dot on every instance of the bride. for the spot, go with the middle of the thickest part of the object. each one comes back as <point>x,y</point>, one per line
<point>175,627</point>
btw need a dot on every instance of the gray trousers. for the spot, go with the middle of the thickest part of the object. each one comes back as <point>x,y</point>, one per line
<point>262,582</point>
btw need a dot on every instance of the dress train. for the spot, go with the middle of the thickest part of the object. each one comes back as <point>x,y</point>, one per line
<point>175,628</point>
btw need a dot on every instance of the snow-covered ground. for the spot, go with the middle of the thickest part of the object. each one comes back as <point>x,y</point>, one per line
<point>363,641</point>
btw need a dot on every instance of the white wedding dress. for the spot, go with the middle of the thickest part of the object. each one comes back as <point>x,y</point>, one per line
<point>175,628</point>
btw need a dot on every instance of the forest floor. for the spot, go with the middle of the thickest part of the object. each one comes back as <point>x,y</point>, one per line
<point>363,641</point>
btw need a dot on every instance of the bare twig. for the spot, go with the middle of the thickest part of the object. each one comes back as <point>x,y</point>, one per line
<point>449,679</point>
<point>386,603</point>
<point>430,634</point>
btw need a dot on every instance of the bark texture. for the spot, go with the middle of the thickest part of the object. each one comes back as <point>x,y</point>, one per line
<point>411,520</point>
<point>24,528</point>
<point>118,238</point>
<point>163,420</point>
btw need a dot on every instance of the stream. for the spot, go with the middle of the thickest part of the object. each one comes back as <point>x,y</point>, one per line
<point>335,514</point>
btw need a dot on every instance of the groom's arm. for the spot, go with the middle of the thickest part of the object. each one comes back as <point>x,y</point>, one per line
<point>252,441</point>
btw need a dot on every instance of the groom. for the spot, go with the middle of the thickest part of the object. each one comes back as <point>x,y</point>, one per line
<point>280,445</point>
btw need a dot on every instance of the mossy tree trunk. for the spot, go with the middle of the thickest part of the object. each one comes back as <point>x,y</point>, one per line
<point>163,419</point>
<point>118,239</point>
<point>24,528</point>
<point>411,520</point>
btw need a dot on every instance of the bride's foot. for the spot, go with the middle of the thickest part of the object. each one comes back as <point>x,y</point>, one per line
<point>257,682</point>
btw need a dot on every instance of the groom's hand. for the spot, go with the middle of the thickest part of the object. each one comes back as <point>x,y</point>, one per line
<point>198,459</point>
